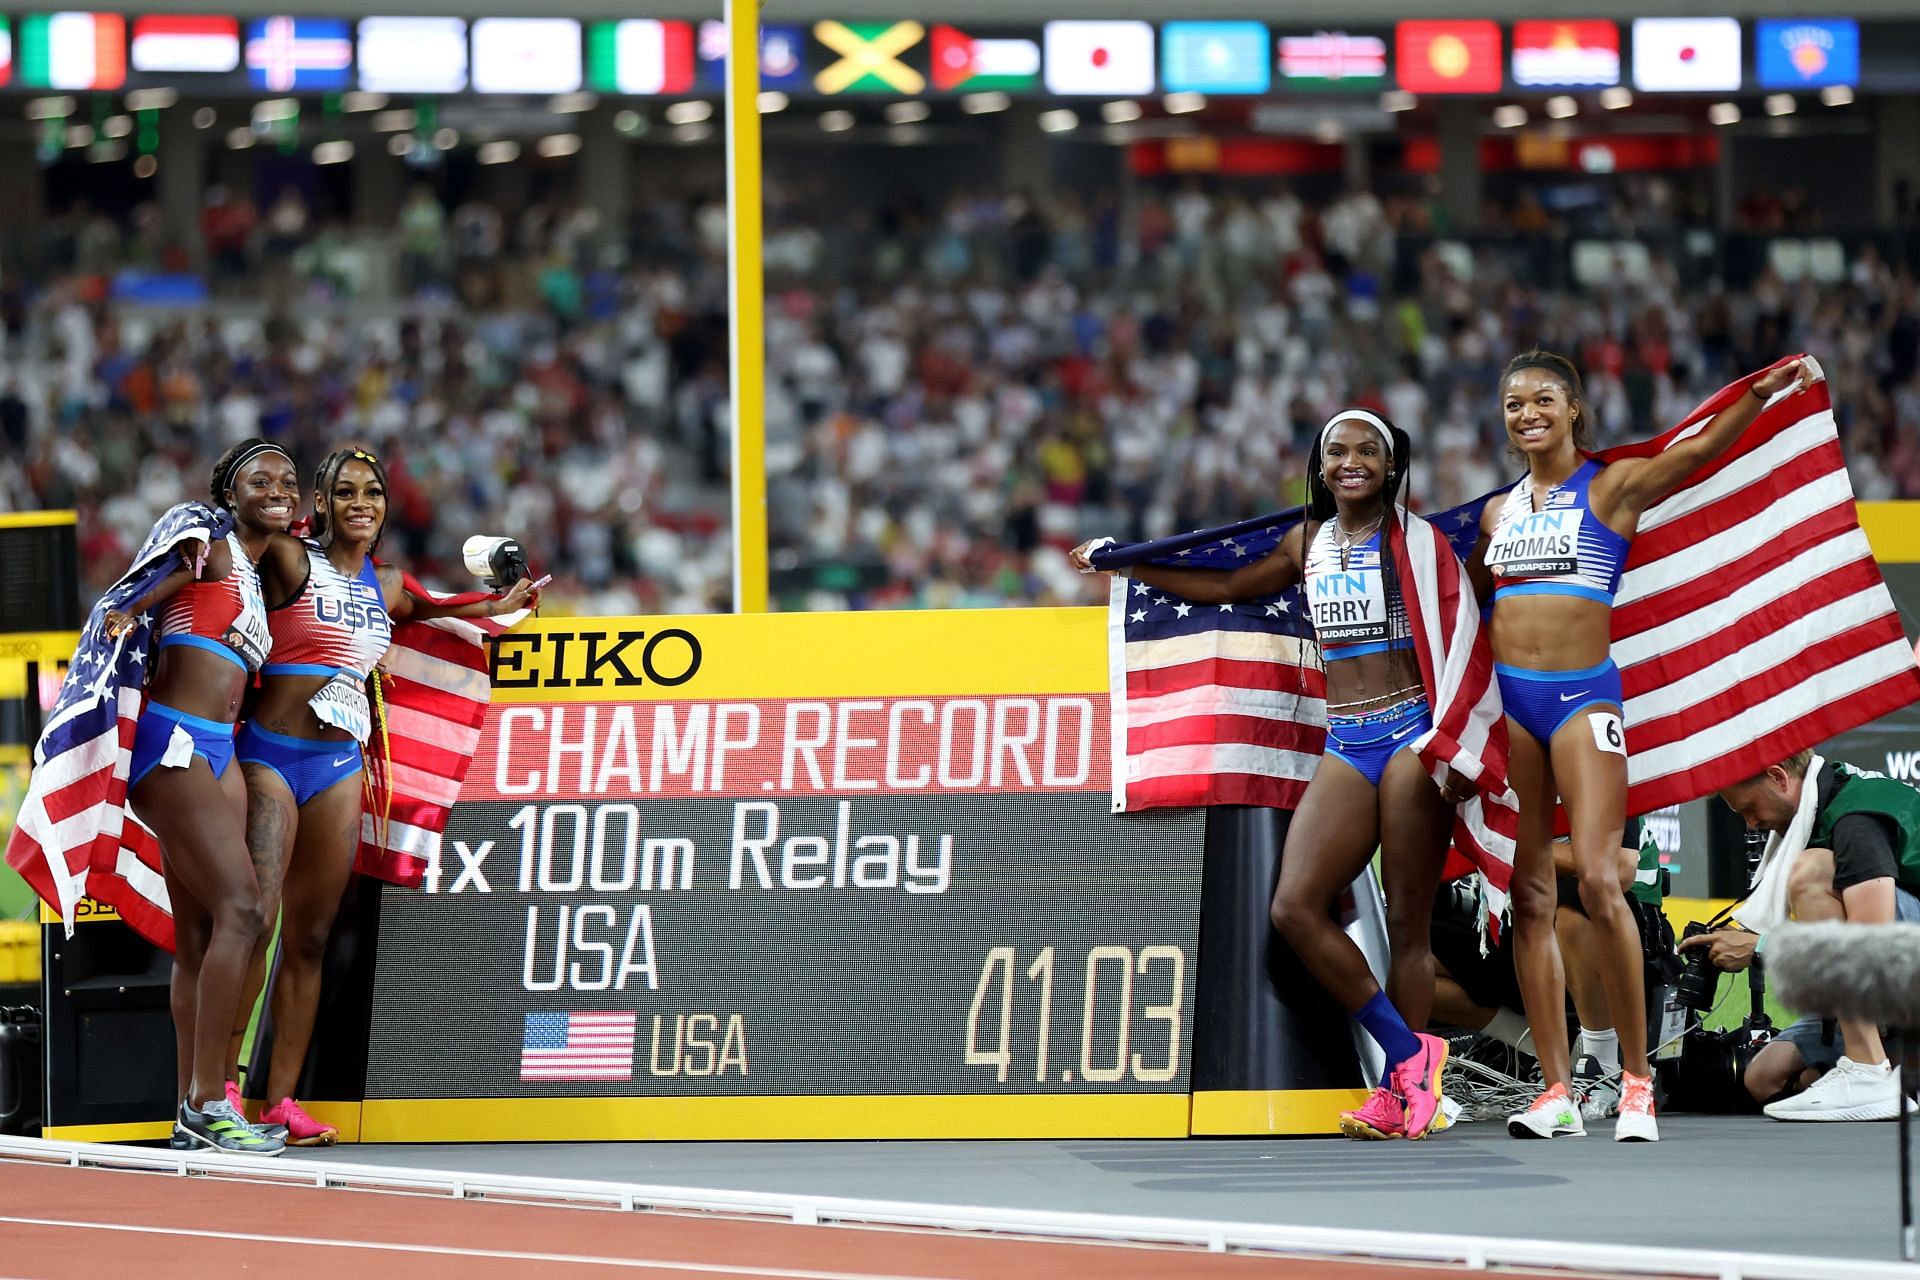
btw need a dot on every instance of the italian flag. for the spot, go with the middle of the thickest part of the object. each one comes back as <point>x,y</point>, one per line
<point>73,50</point>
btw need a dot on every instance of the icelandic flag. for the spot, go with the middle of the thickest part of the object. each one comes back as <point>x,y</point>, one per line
<point>285,54</point>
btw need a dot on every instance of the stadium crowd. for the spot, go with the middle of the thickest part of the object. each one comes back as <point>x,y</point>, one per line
<point>954,393</point>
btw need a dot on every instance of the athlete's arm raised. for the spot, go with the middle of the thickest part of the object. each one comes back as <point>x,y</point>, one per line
<point>1276,571</point>
<point>1631,485</point>
<point>404,606</point>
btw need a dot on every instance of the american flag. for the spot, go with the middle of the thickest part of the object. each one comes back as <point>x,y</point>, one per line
<point>436,692</point>
<point>577,1046</point>
<point>1751,623</point>
<point>1213,704</point>
<point>75,837</point>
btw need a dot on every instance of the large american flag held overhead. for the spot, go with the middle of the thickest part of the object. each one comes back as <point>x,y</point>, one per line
<point>75,837</point>
<point>1751,623</point>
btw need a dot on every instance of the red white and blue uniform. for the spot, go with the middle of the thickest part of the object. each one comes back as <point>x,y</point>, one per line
<point>228,619</point>
<point>1352,615</point>
<point>1562,549</point>
<point>338,628</point>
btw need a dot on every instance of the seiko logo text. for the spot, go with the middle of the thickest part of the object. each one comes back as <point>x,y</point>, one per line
<point>541,660</point>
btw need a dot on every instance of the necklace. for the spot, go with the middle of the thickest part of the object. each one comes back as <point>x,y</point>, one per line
<point>1347,538</point>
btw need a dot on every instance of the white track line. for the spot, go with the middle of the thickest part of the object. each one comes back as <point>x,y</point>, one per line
<point>1350,1244</point>
<point>455,1251</point>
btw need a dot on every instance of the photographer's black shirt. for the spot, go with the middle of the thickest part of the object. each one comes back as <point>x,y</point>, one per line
<point>1863,843</point>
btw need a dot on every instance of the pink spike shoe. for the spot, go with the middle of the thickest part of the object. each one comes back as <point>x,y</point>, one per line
<point>1379,1118</point>
<point>302,1129</point>
<point>1417,1081</point>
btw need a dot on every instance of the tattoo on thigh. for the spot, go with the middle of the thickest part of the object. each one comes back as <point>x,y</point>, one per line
<point>266,837</point>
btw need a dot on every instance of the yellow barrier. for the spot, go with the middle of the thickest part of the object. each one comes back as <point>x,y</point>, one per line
<point>19,952</point>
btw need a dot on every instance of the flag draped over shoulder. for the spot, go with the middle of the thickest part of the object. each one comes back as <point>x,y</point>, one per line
<point>1212,704</point>
<point>75,836</point>
<point>1751,621</point>
<point>435,692</point>
<point>1469,733</point>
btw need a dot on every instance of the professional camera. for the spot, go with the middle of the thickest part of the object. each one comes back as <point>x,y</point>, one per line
<point>501,561</point>
<point>1699,980</point>
<point>1709,1072</point>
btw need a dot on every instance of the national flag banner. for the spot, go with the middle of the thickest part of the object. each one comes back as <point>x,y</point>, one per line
<point>526,55</point>
<point>1333,60</point>
<point>73,51</point>
<point>1807,53</point>
<point>867,57</point>
<point>285,54</point>
<point>1111,58</point>
<point>1448,56</point>
<point>972,64</point>
<point>577,1046</point>
<point>783,57</point>
<point>1686,55</point>
<point>183,43</point>
<point>6,52</point>
<point>75,837</point>
<point>435,688</point>
<point>1215,57</point>
<point>1226,703</point>
<point>1573,53</point>
<point>413,55</point>
<point>640,56</point>
<point>1212,704</point>
<point>1752,621</point>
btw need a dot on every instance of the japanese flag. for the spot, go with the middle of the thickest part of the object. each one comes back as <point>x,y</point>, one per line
<point>1686,55</point>
<point>1099,57</point>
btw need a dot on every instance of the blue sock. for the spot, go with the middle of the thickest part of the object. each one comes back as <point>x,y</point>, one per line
<point>1389,1030</point>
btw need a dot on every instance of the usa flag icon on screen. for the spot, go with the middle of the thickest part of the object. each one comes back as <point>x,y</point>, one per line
<point>577,1046</point>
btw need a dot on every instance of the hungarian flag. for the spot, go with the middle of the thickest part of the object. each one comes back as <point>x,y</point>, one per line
<point>185,43</point>
<point>640,56</point>
<point>1686,55</point>
<point>1333,60</point>
<point>1449,56</point>
<point>1113,58</point>
<point>1579,53</point>
<point>961,61</point>
<point>73,51</point>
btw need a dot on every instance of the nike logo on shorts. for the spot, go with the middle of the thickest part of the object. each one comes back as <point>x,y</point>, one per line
<point>1568,697</point>
<point>342,760</point>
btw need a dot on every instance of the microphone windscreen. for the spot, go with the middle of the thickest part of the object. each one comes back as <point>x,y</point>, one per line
<point>1870,972</point>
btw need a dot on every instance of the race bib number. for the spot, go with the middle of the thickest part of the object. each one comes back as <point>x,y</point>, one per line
<point>1536,544</point>
<point>1608,735</point>
<point>1349,605</point>
<point>342,703</point>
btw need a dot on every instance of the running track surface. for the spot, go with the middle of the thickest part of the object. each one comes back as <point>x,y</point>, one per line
<point>84,1223</point>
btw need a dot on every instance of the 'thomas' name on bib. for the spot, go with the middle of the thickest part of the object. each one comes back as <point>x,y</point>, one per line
<point>1536,544</point>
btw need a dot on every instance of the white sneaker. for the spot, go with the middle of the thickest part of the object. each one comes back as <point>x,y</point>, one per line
<point>1851,1091</point>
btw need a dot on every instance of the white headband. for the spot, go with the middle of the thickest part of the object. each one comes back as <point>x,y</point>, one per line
<point>253,453</point>
<point>1373,420</point>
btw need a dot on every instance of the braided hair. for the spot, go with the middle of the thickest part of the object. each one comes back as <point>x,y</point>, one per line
<point>323,482</point>
<point>225,470</point>
<point>1321,506</point>
<point>1561,370</point>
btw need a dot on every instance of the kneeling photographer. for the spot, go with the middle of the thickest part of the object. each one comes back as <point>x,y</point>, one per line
<point>1846,848</point>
